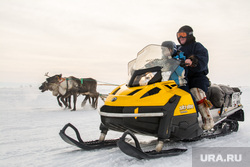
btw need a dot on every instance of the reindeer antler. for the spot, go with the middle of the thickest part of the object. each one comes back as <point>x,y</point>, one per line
<point>46,74</point>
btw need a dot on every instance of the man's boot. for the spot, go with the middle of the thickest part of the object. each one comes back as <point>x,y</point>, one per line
<point>203,106</point>
<point>207,118</point>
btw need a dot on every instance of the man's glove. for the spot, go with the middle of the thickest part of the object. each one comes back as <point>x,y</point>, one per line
<point>194,60</point>
<point>182,64</point>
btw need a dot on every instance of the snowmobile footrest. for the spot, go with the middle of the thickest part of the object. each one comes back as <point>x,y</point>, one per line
<point>137,151</point>
<point>90,145</point>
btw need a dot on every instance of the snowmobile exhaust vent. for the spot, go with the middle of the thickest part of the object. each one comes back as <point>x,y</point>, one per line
<point>134,92</point>
<point>116,91</point>
<point>151,92</point>
<point>170,86</point>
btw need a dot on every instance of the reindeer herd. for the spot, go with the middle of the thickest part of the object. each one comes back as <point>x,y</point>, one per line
<point>63,88</point>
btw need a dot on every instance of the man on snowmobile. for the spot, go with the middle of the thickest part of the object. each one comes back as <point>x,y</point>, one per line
<point>197,69</point>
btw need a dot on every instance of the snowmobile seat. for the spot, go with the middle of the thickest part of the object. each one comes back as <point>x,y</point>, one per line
<point>216,95</point>
<point>221,95</point>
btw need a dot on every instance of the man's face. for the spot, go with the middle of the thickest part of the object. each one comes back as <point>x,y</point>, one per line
<point>182,36</point>
<point>182,40</point>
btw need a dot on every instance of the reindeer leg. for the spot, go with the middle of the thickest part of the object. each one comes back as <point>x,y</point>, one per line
<point>74,99</point>
<point>64,102</point>
<point>96,102</point>
<point>94,96</point>
<point>69,101</point>
<point>58,100</point>
<point>94,99</point>
<point>89,98</point>
<point>85,100</point>
<point>93,102</point>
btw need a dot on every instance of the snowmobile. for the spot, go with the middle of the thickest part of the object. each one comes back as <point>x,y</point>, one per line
<point>152,104</point>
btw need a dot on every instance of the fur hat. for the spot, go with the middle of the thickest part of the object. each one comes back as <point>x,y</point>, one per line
<point>190,37</point>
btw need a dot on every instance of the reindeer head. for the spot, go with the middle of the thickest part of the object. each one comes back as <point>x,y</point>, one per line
<point>44,87</point>
<point>54,79</point>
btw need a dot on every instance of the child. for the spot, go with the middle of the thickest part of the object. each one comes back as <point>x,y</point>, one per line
<point>179,74</point>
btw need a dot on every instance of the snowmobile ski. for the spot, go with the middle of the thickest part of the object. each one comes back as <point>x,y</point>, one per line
<point>89,145</point>
<point>137,152</point>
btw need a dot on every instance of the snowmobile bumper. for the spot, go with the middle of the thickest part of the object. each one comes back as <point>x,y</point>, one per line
<point>129,115</point>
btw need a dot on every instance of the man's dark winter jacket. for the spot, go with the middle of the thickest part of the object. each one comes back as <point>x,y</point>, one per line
<point>196,76</point>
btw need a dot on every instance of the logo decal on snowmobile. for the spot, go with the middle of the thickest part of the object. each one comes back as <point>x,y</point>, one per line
<point>184,108</point>
<point>114,99</point>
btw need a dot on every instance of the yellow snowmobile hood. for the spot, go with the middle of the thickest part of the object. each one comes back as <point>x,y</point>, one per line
<point>157,94</point>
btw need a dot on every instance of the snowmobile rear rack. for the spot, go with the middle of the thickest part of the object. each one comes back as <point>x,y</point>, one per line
<point>137,152</point>
<point>89,145</point>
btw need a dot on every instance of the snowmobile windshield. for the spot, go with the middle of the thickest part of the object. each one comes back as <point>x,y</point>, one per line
<point>154,63</point>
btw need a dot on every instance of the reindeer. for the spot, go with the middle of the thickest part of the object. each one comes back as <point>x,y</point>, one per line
<point>46,86</point>
<point>74,86</point>
<point>59,87</point>
<point>88,87</point>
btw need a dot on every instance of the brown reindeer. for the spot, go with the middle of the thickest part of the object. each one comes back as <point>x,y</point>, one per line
<point>74,86</point>
<point>46,86</point>
<point>88,87</point>
<point>59,86</point>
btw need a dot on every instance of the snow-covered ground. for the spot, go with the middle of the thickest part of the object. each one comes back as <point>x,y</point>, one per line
<point>30,122</point>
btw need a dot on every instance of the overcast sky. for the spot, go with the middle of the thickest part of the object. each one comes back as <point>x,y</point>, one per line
<point>97,38</point>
